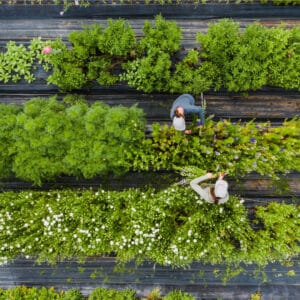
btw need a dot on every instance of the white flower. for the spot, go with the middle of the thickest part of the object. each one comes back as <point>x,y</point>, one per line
<point>111,243</point>
<point>189,232</point>
<point>221,210</point>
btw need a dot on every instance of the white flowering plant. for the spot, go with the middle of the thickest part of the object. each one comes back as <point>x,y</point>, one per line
<point>170,227</point>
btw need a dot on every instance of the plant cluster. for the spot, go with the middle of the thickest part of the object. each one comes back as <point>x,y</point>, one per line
<point>228,58</point>
<point>237,148</point>
<point>96,54</point>
<point>170,227</point>
<point>99,293</point>
<point>84,3</point>
<point>48,138</point>
<point>257,57</point>
<point>18,62</point>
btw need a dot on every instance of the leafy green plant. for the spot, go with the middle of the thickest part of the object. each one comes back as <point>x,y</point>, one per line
<point>48,138</point>
<point>43,293</point>
<point>18,61</point>
<point>152,70</point>
<point>95,54</point>
<point>39,143</point>
<point>173,227</point>
<point>237,149</point>
<point>7,124</point>
<point>110,294</point>
<point>178,295</point>
<point>192,77</point>
<point>257,57</point>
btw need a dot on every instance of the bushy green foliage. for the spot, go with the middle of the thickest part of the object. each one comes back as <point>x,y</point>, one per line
<point>39,144</point>
<point>110,294</point>
<point>49,138</point>
<point>231,58</point>
<point>281,222</point>
<point>94,55</point>
<point>43,293</point>
<point>99,138</point>
<point>99,293</point>
<point>237,148</point>
<point>257,57</point>
<point>151,70</point>
<point>192,77</point>
<point>178,295</point>
<point>7,124</point>
<point>149,73</point>
<point>18,61</point>
<point>173,227</point>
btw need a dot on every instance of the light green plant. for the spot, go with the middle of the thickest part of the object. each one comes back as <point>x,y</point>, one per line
<point>18,62</point>
<point>48,138</point>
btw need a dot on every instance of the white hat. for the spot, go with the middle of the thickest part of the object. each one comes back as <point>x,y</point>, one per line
<point>179,123</point>
<point>221,187</point>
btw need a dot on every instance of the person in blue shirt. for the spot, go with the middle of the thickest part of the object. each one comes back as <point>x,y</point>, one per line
<point>183,105</point>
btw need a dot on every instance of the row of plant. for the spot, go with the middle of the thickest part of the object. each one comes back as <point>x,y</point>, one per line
<point>227,58</point>
<point>171,227</point>
<point>70,3</point>
<point>29,293</point>
<point>47,138</point>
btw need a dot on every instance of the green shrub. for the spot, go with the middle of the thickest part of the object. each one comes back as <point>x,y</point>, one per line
<point>18,62</point>
<point>7,124</point>
<point>39,144</point>
<point>251,59</point>
<point>151,70</point>
<point>110,294</point>
<point>43,293</point>
<point>178,295</point>
<point>173,227</point>
<point>237,148</point>
<point>95,54</point>
<point>49,138</point>
<point>100,137</point>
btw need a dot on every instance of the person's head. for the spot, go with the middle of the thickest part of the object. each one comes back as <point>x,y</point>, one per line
<point>220,190</point>
<point>179,111</point>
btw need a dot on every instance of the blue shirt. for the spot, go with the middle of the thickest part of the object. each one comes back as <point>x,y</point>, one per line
<point>187,102</point>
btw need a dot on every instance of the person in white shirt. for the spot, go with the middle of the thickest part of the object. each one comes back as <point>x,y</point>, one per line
<point>213,193</point>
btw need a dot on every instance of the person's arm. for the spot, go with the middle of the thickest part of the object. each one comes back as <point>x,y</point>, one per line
<point>193,109</point>
<point>197,188</point>
<point>201,116</point>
